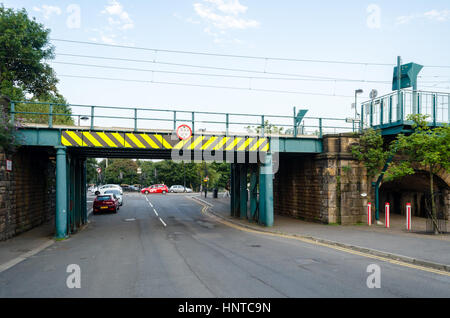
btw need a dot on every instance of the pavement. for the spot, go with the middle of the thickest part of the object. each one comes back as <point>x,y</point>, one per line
<point>170,246</point>
<point>415,246</point>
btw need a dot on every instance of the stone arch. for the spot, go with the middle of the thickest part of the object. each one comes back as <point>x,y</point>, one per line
<point>414,189</point>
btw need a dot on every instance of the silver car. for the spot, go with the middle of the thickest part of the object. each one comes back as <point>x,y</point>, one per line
<point>179,189</point>
<point>116,192</point>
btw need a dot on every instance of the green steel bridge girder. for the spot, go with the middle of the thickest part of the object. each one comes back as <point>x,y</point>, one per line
<point>52,137</point>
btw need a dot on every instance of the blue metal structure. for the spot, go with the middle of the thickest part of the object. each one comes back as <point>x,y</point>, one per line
<point>389,112</point>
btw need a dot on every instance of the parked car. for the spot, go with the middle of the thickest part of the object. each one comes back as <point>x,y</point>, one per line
<point>179,189</point>
<point>106,203</point>
<point>156,188</point>
<point>116,192</point>
<point>93,189</point>
<point>109,186</point>
<point>131,188</point>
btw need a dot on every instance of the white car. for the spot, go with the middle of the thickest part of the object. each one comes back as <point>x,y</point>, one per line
<point>109,186</point>
<point>114,191</point>
<point>179,189</point>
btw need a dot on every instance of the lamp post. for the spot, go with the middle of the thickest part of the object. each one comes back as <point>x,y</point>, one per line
<point>357,91</point>
<point>82,118</point>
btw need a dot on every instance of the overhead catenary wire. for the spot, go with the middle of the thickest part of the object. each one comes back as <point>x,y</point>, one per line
<point>264,58</point>
<point>205,85</point>
<point>216,75</point>
<point>301,77</point>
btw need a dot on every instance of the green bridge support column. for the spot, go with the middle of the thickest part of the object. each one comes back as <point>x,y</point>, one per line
<point>84,192</point>
<point>72,198</point>
<point>61,193</point>
<point>78,193</point>
<point>253,192</point>
<point>243,191</point>
<point>235,190</point>
<point>232,172</point>
<point>266,192</point>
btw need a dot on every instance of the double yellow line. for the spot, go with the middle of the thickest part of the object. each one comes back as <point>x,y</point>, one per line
<point>314,242</point>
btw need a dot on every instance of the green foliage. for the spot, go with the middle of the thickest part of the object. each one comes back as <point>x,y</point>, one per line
<point>164,171</point>
<point>121,171</point>
<point>371,152</point>
<point>8,133</point>
<point>429,148</point>
<point>91,170</point>
<point>24,43</point>
<point>268,129</point>
<point>24,74</point>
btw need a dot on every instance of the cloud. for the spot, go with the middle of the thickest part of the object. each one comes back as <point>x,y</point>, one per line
<point>404,19</point>
<point>436,15</point>
<point>117,16</point>
<point>47,10</point>
<point>224,15</point>
<point>229,7</point>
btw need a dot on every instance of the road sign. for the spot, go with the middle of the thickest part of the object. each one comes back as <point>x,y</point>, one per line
<point>206,179</point>
<point>99,170</point>
<point>184,132</point>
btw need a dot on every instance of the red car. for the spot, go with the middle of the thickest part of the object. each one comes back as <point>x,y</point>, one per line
<point>156,188</point>
<point>106,203</point>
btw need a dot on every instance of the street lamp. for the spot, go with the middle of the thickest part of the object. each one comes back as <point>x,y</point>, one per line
<point>82,118</point>
<point>357,91</point>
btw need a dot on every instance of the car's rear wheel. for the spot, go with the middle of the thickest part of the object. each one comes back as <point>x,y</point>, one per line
<point>146,192</point>
<point>164,192</point>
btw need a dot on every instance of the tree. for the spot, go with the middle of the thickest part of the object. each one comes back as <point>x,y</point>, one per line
<point>24,74</point>
<point>372,153</point>
<point>425,147</point>
<point>121,171</point>
<point>91,170</point>
<point>268,129</point>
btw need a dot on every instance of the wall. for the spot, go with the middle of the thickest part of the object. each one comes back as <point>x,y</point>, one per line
<point>322,187</point>
<point>27,194</point>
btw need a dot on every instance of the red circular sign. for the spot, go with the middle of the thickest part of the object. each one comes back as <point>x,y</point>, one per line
<point>184,132</point>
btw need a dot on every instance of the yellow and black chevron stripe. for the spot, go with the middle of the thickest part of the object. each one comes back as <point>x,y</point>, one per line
<point>77,138</point>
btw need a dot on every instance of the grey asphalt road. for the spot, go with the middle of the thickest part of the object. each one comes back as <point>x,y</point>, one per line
<point>179,252</point>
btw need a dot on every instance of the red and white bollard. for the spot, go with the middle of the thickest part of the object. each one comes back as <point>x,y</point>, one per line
<point>387,218</point>
<point>369,213</point>
<point>408,216</point>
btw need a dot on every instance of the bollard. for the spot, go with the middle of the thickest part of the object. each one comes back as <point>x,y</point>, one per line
<point>386,215</point>
<point>369,213</point>
<point>408,216</point>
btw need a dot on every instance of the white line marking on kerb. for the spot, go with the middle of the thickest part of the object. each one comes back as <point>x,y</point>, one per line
<point>163,222</point>
<point>17,260</point>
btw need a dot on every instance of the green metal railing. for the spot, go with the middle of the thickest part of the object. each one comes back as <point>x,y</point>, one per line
<point>393,109</point>
<point>101,117</point>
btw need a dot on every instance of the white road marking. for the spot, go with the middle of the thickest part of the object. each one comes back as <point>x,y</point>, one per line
<point>155,212</point>
<point>163,222</point>
<point>17,260</point>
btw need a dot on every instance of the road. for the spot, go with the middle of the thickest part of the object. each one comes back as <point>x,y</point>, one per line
<point>163,246</point>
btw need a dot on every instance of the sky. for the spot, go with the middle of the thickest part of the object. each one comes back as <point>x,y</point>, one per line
<point>362,32</point>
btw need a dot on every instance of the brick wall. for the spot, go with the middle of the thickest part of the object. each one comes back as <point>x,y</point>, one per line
<point>325,187</point>
<point>27,194</point>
